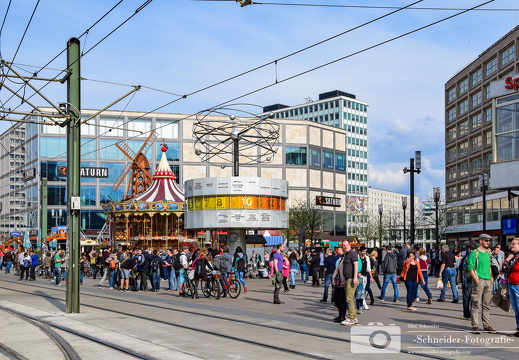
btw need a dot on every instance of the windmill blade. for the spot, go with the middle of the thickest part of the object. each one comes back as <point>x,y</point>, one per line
<point>147,144</point>
<point>125,149</point>
<point>122,176</point>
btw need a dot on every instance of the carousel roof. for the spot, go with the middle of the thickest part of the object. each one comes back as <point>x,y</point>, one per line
<point>163,187</point>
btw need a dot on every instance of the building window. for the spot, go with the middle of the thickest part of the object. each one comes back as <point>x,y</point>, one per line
<point>451,133</point>
<point>315,157</point>
<point>295,155</point>
<point>451,94</point>
<point>451,154</point>
<point>477,142</point>
<point>487,92</point>
<point>464,148</point>
<point>488,114</point>
<point>464,169</point>
<point>491,67</point>
<point>488,160</point>
<point>53,147</point>
<point>451,193</point>
<point>451,173</point>
<point>464,127</point>
<point>464,190</point>
<point>57,195</point>
<point>463,107</point>
<point>508,55</point>
<point>88,195</point>
<point>488,138</point>
<point>476,189</point>
<point>477,165</point>
<point>464,86</point>
<point>172,154</point>
<point>477,121</point>
<point>452,114</point>
<point>477,99</point>
<point>327,159</point>
<point>477,76</point>
<point>340,162</point>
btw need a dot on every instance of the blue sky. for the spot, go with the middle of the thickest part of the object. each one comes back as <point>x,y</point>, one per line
<point>181,46</point>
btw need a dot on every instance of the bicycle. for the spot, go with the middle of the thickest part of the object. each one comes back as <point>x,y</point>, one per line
<point>16,270</point>
<point>211,285</point>
<point>231,286</point>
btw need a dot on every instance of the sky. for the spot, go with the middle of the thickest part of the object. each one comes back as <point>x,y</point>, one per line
<point>177,47</point>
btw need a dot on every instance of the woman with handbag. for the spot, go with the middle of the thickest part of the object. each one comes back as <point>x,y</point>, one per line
<point>412,275</point>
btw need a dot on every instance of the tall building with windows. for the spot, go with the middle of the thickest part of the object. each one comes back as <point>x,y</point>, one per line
<point>44,147</point>
<point>340,110</point>
<point>469,139</point>
<point>12,186</point>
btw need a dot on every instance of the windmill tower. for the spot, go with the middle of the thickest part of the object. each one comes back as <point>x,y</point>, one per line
<point>140,178</point>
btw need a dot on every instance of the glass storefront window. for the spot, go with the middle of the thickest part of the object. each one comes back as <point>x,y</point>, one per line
<point>53,147</point>
<point>107,194</point>
<point>108,150</point>
<point>167,129</point>
<point>173,153</point>
<point>49,170</point>
<point>92,219</point>
<point>111,126</point>
<point>114,170</point>
<point>88,195</point>
<point>88,149</point>
<point>57,195</point>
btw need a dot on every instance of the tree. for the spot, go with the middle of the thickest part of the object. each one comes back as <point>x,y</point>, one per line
<point>305,218</point>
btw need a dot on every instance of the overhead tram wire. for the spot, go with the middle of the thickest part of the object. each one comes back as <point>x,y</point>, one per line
<point>66,48</point>
<point>361,6</point>
<point>304,72</point>
<point>2,27</point>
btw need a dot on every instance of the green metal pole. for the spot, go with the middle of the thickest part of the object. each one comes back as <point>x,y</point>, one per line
<point>73,177</point>
<point>43,214</point>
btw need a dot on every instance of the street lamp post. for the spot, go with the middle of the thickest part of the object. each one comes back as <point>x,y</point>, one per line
<point>436,195</point>
<point>404,206</point>
<point>413,168</point>
<point>483,182</point>
<point>380,210</point>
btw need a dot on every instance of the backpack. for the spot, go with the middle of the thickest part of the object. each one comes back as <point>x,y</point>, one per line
<point>176,262</point>
<point>199,267</point>
<point>220,264</point>
<point>155,263</point>
<point>26,263</point>
<point>111,264</point>
<point>240,264</point>
<point>494,267</point>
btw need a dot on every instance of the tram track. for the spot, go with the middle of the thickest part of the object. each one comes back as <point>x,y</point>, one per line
<point>183,310</point>
<point>66,349</point>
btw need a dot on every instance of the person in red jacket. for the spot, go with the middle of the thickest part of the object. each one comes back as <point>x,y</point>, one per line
<point>511,271</point>
<point>412,275</point>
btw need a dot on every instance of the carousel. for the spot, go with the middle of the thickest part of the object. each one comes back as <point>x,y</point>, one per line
<point>154,217</point>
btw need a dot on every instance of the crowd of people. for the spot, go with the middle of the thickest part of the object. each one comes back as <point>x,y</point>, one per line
<point>347,273</point>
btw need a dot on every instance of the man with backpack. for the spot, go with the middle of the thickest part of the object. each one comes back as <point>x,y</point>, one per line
<point>182,259</point>
<point>145,267</point>
<point>155,266</point>
<point>109,266</point>
<point>174,277</point>
<point>389,266</point>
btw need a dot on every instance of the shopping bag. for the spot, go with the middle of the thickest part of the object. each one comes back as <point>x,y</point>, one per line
<point>439,285</point>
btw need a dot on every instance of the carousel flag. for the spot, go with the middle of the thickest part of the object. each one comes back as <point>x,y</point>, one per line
<point>26,241</point>
<point>38,242</point>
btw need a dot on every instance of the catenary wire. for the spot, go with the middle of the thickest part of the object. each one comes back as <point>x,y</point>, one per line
<point>302,73</point>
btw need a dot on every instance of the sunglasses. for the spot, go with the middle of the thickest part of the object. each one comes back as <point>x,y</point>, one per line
<point>487,240</point>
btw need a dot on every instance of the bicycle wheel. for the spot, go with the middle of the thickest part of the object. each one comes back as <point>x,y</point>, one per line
<point>206,287</point>
<point>234,289</point>
<point>190,288</point>
<point>16,270</point>
<point>215,291</point>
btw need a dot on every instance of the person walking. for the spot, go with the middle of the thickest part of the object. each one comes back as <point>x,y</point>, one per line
<point>375,264</point>
<point>315,266</point>
<point>154,269</point>
<point>277,260</point>
<point>448,273</point>
<point>412,275</point>
<point>466,283</point>
<point>423,261</point>
<point>25,265</point>
<point>511,273</point>
<point>329,270</point>
<point>286,272</point>
<point>294,269</point>
<point>389,266</point>
<point>34,263</point>
<point>340,294</point>
<point>351,272</point>
<point>239,264</point>
<point>58,261</point>
<point>479,267</point>
<point>304,259</point>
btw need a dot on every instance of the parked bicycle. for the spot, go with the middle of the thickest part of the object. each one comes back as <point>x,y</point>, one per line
<point>211,285</point>
<point>230,286</point>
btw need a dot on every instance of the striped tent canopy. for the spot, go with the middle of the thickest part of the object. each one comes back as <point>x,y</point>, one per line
<point>163,186</point>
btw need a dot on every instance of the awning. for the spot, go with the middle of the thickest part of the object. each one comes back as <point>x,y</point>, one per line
<point>274,240</point>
